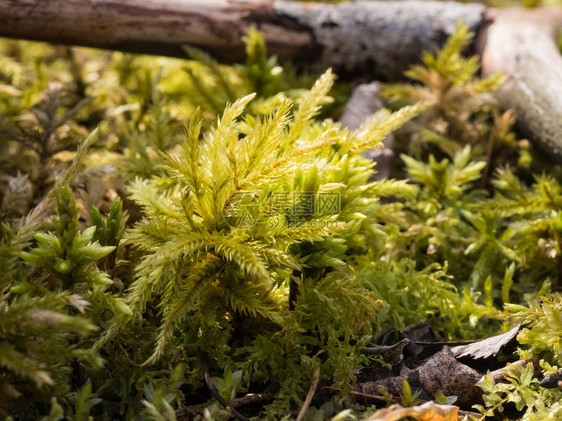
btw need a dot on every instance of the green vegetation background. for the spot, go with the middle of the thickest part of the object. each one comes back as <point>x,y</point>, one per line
<point>143,241</point>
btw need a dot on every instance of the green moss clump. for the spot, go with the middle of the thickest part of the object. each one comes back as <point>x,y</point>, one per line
<point>251,243</point>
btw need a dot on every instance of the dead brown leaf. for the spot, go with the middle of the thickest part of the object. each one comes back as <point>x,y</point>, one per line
<point>486,348</point>
<point>429,411</point>
<point>440,372</point>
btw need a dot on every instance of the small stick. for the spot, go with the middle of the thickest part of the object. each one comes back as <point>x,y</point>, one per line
<point>249,399</point>
<point>500,374</point>
<point>310,395</point>
<point>368,395</point>
<point>216,394</point>
<point>447,342</point>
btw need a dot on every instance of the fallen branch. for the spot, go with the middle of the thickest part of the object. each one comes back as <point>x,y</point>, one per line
<point>370,37</point>
<point>375,39</point>
<point>523,45</point>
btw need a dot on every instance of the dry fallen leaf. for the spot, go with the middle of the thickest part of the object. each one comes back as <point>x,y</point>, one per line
<point>429,411</point>
<point>440,372</point>
<point>486,348</point>
<point>443,372</point>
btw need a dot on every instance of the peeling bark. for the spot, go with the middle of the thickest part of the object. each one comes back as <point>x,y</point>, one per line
<point>380,38</point>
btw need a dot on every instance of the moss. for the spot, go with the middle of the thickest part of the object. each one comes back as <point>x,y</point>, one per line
<point>224,222</point>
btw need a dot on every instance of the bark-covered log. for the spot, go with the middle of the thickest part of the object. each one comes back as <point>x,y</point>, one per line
<point>380,38</point>
<point>153,26</point>
<point>377,38</point>
<point>523,45</point>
